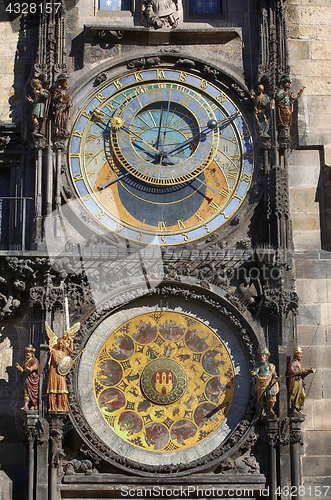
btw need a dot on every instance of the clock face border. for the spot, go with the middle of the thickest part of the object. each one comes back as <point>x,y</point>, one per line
<point>83,414</point>
<point>181,232</point>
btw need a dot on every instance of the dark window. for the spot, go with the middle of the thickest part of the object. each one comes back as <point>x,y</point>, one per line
<point>115,5</point>
<point>205,6</point>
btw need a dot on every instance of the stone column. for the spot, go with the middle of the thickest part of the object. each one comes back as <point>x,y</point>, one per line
<point>273,440</point>
<point>40,144</point>
<point>56,452</point>
<point>30,419</point>
<point>296,441</point>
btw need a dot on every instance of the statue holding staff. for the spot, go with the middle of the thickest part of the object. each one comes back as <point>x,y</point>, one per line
<point>31,371</point>
<point>266,383</point>
<point>297,384</point>
<point>60,348</point>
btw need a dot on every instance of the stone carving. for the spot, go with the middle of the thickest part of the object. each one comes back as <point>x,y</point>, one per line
<point>262,111</point>
<point>56,385</point>
<point>31,371</point>
<point>280,300</point>
<point>102,77</point>
<point>160,13</point>
<point>188,63</point>
<point>16,277</point>
<point>71,467</point>
<point>61,106</point>
<point>249,291</point>
<point>211,72</point>
<point>142,62</point>
<point>266,384</point>
<point>285,101</point>
<point>40,105</point>
<point>296,384</point>
<point>116,34</point>
<point>4,141</point>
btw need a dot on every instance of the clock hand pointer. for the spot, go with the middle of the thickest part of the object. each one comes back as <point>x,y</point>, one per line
<point>106,184</point>
<point>142,140</point>
<point>159,131</point>
<point>209,187</point>
<point>211,125</point>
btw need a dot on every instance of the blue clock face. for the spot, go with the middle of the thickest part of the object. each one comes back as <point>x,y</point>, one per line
<point>161,156</point>
<point>164,136</point>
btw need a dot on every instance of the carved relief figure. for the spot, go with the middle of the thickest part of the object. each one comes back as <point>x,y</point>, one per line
<point>61,106</point>
<point>161,13</point>
<point>285,100</point>
<point>31,371</point>
<point>262,111</point>
<point>40,104</point>
<point>297,385</point>
<point>266,383</point>
<point>56,384</point>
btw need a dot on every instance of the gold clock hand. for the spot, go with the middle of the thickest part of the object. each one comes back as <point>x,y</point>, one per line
<point>120,124</point>
<point>106,184</point>
<point>212,126</point>
<point>142,140</point>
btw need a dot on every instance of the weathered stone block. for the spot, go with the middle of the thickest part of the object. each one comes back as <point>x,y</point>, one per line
<point>307,240</point>
<point>316,466</point>
<point>299,49</point>
<point>306,157</point>
<point>313,335</point>
<point>304,176</point>
<point>325,314</point>
<point>321,122</point>
<point>320,289</point>
<point>319,68</point>
<point>318,442</point>
<point>319,105</point>
<point>297,31</point>
<point>309,314</point>
<point>322,412</point>
<point>299,69</point>
<point>321,50</point>
<point>317,86</point>
<point>303,200</point>
<point>303,287</point>
<point>306,222</point>
<point>312,268</point>
<point>323,32</point>
<point>326,377</point>
<point>6,486</point>
<point>309,412</point>
<point>314,388</point>
<point>318,3</point>
<point>309,15</point>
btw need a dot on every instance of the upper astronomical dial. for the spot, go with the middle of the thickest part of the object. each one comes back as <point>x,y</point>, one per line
<point>161,135</point>
<point>161,156</point>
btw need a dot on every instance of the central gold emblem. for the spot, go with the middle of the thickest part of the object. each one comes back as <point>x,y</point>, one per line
<point>163,381</point>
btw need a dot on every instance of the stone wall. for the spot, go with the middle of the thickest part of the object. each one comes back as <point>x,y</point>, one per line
<point>8,45</point>
<point>309,30</point>
<point>313,272</point>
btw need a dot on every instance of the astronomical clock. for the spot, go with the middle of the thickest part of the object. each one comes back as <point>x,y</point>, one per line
<point>161,156</point>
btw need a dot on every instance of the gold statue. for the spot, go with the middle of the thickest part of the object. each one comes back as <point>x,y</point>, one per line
<point>59,348</point>
<point>297,384</point>
<point>266,383</point>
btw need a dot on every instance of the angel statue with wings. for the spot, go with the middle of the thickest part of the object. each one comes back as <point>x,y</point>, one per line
<point>56,385</point>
